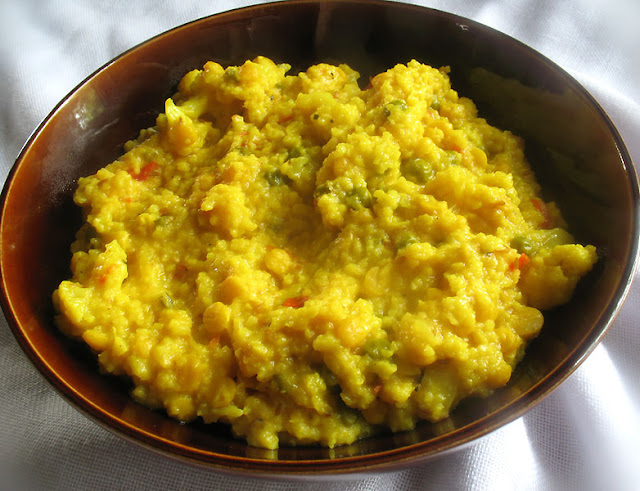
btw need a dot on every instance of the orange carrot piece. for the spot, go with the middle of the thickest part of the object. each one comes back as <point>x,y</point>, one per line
<point>520,262</point>
<point>146,171</point>
<point>295,302</point>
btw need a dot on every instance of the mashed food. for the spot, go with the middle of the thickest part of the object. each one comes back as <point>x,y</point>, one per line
<point>309,261</point>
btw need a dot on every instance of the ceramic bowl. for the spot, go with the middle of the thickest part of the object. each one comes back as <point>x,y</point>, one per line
<point>573,147</point>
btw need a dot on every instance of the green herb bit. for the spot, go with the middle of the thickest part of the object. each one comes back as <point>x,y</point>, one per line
<point>358,198</point>
<point>417,170</point>
<point>166,300</point>
<point>277,178</point>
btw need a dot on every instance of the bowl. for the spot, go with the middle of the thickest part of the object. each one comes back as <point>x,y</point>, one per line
<point>573,147</point>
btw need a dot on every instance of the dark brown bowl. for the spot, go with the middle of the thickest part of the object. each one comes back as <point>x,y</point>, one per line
<point>574,148</point>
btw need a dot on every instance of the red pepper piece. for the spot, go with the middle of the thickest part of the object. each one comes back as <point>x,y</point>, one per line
<point>295,302</point>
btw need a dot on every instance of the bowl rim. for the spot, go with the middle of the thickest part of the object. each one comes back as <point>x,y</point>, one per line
<point>386,460</point>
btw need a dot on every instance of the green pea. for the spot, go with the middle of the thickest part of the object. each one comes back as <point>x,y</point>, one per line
<point>522,244</point>
<point>280,383</point>
<point>400,104</point>
<point>243,150</point>
<point>417,170</point>
<point>88,234</point>
<point>322,189</point>
<point>277,178</point>
<point>295,152</point>
<point>435,102</point>
<point>359,197</point>
<point>453,157</point>
<point>162,221</point>
<point>231,74</point>
<point>405,239</point>
<point>378,348</point>
<point>373,245</point>
<point>330,379</point>
<point>348,416</point>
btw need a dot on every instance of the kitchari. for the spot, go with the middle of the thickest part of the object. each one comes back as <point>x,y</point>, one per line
<point>309,261</point>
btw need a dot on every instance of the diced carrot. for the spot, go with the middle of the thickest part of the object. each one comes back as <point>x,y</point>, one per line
<point>520,262</point>
<point>295,302</point>
<point>103,277</point>
<point>286,119</point>
<point>146,171</point>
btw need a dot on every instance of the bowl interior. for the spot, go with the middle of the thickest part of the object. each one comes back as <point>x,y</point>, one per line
<point>572,146</point>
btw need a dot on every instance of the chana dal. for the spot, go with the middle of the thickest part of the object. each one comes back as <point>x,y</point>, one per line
<point>310,261</point>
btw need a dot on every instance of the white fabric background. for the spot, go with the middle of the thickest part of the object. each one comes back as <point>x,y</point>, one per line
<point>586,435</point>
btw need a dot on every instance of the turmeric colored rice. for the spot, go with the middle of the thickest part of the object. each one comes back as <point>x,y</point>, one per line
<point>310,261</point>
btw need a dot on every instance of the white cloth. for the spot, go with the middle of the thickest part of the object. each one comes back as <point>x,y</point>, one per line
<point>586,435</point>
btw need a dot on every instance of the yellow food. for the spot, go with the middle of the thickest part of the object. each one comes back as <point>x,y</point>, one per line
<point>309,261</point>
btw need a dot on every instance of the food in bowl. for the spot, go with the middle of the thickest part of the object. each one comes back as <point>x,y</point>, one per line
<point>310,261</point>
